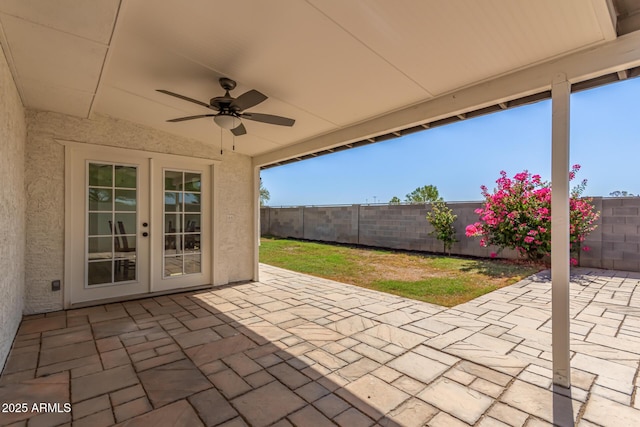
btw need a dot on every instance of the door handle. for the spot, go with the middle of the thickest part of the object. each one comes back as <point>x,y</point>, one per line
<point>145,234</point>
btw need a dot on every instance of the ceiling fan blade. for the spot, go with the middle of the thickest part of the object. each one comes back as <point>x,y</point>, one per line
<point>268,118</point>
<point>239,130</point>
<point>186,98</point>
<point>182,119</point>
<point>248,100</point>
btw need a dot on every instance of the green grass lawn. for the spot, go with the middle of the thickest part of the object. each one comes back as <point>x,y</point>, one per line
<point>442,280</point>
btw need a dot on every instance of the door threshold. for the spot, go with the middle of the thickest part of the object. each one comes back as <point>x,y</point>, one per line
<point>136,297</point>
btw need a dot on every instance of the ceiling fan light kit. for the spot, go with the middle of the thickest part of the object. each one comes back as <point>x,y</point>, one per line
<point>227,121</point>
<point>231,110</point>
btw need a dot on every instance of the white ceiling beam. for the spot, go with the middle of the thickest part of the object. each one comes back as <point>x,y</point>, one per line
<point>623,74</point>
<point>425,125</point>
<point>462,116</point>
<point>502,105</point>
<point>620,54</point>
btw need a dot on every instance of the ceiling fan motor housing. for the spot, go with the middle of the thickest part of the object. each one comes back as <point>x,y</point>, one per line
<point>231,110</point>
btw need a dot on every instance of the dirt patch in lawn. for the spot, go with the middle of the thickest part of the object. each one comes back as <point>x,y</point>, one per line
<point>437,279</point>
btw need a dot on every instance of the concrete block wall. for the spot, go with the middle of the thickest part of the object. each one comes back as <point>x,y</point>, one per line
<point>620,232</point>
<point>615,244</point>
<point>284,222</point>
<point>387,226</point>
<point>331,224</point>
<point>393,226</point>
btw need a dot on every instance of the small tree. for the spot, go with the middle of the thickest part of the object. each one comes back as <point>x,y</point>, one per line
<point>394,201</point>
<point>441,219</point>
<point>517,215</point>
<point>426,194</point>
<point>623,193</point>
<point>264,194</point>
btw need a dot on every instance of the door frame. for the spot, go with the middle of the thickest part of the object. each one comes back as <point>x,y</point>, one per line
<point>73,149</point>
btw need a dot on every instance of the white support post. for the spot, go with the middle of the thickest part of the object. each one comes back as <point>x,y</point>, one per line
<point>560,254</point>
<point>256,223</point>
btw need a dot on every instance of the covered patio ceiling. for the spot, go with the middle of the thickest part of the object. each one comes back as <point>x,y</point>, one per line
<point>347,72</point>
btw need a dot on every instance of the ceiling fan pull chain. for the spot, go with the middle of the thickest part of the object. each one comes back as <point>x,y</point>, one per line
<point>221,141</point>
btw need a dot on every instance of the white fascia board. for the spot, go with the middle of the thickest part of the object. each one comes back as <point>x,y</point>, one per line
<point>619,54</point>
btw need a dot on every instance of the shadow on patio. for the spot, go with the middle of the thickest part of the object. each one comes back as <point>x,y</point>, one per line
<point>295,349</point>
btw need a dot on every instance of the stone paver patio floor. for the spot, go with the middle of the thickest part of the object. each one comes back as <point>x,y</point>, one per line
<point>299,350</point>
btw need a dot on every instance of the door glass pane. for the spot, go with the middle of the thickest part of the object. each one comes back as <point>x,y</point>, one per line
<point>99,273</point>
<point>100,199</point>
<point>173,180</point>
<point>172,266</point>
<point>125,200</point>
<point>124,246</point>
<point>172,202</point>
<point>173,244</point>
<point>111,224</point>
<point>100,248</point>
<point>192,181</point>
<point>192,264</point>
<point>192,243</point>
<point>126,223</point>
<point>172,223</point>
<point>124,270</point>
<point>126,176</point>
<point>192,202</point>
<point>100,175</point>
<point>182,231</point>
<point>191,223</point>
<point>100,224</point>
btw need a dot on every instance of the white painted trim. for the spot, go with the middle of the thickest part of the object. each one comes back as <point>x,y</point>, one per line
<point>153,252</point>
<point>69,158</point>
<point>216,272</point>
<point>256,224</point>
<point>560,241</point>
<point>101,148</point>
<point>619,54</point>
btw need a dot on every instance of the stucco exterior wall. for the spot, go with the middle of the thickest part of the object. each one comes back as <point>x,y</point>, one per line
<point>45,174</point>
<point>236,215</point>
<point>12,209</point>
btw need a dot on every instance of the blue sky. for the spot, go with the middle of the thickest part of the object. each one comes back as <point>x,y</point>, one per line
<point>459,158</point>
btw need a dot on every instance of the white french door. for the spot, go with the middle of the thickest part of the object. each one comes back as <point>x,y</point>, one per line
<point>139,223</point>
<point>182,221</point>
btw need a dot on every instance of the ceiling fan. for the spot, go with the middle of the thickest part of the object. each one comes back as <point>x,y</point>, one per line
<point>230,110</point>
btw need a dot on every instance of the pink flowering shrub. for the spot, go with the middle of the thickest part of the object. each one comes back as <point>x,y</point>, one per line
<point>517,215</point>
